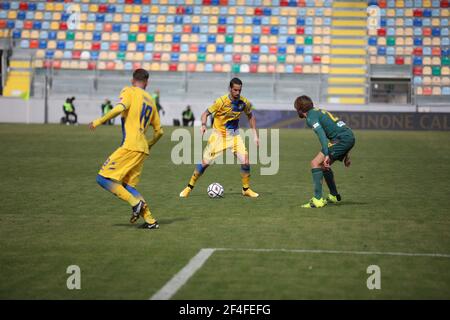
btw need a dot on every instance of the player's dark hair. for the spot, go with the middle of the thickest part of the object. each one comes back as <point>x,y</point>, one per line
<point>304,104</point>
<point>235,81</point>
<point>140,75</point>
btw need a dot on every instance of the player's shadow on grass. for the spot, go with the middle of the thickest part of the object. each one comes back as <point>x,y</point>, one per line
<point>163,221</point>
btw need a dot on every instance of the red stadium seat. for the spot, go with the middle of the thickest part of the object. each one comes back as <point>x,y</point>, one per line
<point>193,47</point>
<point>427,91</point>
<point>181,10</point>
<point>255,49</point>
<point>265,30</point>
<point>187,28</point>
<point>435,51</point>
<point>273,49</point>
<point>76,54</point>
<point>417,71</point>
<point>300,30</point>
<point>418,51</point>
<point>146,1</point>
<point>143,28</point>
<point>191,67</point>
<point>317,59</point>
<point>175,47</point>
<point>2,24</point>
<point>137,65</point>
<point>107,27</point>
<point>236,57</point>
<point>221,29</point>
<point>426,32</point>
<point>56,64</point>
<point>23,6</point>
<point>271,68</point>
<point>28,25</point>
<point>381,32</point>
<point>47,63</point>
<point>382,3</point>
<point>417,13</point>
<point>91,65</point>
<point>399,60</point>
<point>253,68</point>
<point>114,46</point>
<point>258,12</point>
<point>206,2</point>
<point>103,8</point>
<point>298,69</point>
<point>129,1</point>
<point>34,44</point>
<point>110,65</point>
<point>62,26</point>
<point>217,68</point>
<point>95,46</point>
<point>223,2</point>
<point>284,3</point>
<point>301,3</point>
<point>173,67</point>
<point>444,3</point>
<point>157,56</point>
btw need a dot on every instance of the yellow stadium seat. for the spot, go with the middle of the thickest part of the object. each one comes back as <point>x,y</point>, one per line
<point>445,81</point>
<point>194,38</point>
<point>141,37</point>
<point>210,48</point>
<point>274,20</point>
<point>284,12</point>
<point>200,67</point>
<point>40,53</point>
<point>129,56</point>
<point>192,57</point>
<point>154,10</point>
<point>435,61</point>
<point>445,13</point>
<point>220,38</point>
<point>54,25</point>
<point>101,65</point>
<point>427,41</point>
<point>87,36</point>
<point>436,91</point>
<point>445,71</point>
<point>184,57</point>
<point>111,55</point>
<point>87,45</point>
<point>12,15</point>
<point>90,26</point>
<point>373,60</point>
<point>218,57</point>
<point>245,58</point>
<point>290,49</point>
<point>158,47</point>
<point>326,40</point>
<point>273,39</point>
<point>226,68</point>
<point>419,91</point>
<point>239,20</point>
<point>435,22</point>
<point>426,70</point>
<point>161,19</point>
<point>166,47</point>
<point>381,60</point>
<point>117,17</point>
<point>74,64</point>
<point>231,11</point>
<point>399,32</point>
<point>49,6</point>
<point>237,38</point>
<point>237,48</point>
<point>83,65</point>
<point>262,68</point>
<point>195,19</point>
<point>93,8</point>
<point>38,15</point>
<point>134,28</point>
<point>399,51</point>
<point>317,50</point>
<point>128,9</point>
<point>135,18</point>
<point>181,67</point>
<point>436,41</point>
<point>307,69</point>
<point>317,40</point>
<point>290,59</point>
<point>120,66</point>
<point>57,16</point>
<point>212,29</point>
<point>400,41</point>
<point>51,44</point>
<point>185,38</point>
<point>408,12</point>
<point>436,81</point>
<point>106,36</point>
<point>206,10</point>
<point>325,69</point>
<point>210,57</point>
<point>82,26</point>
<point>213,20</point>
<point>215,11</point>
<point>38,63</point>
<point>407,60</point>
<point>272,58</point>
<point>78,45</point>
<point>34,34</point>
<point>248,30</point>
<point>138,9</point>
<point>325,59</point>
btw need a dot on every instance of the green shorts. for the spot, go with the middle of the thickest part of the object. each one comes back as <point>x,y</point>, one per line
<point>339,147</point>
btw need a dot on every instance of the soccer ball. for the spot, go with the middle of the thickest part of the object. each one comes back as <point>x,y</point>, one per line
<point>215,190</point>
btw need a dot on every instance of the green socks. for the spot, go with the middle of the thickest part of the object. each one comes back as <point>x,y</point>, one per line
<point>317,175</point>
<point>329,179</point>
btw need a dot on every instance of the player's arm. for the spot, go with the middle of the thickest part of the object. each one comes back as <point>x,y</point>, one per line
<point>204,118</point>
<point>157,130</point>
<point>114,112</point>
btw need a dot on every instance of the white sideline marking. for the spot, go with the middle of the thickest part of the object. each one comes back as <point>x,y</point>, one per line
<point>174,284</point>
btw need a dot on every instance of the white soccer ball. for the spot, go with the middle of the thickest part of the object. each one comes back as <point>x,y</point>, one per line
<point>215,190</point>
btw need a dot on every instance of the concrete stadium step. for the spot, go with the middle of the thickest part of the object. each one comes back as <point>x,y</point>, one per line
<point>349,32</point>
<point>347,90</point>
<point>349,42</point>
<point>347,14</point>
<point>349,4</point>
<point>346,80</point>
<point>346,100</point>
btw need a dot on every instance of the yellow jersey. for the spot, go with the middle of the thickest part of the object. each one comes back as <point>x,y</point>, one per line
<point>139,113</point>
<point>226,113</point>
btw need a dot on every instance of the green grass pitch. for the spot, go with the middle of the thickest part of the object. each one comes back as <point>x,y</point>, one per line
<point>53,214</point>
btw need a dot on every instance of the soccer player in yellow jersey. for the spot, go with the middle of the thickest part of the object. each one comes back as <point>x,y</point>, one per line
<point>226,112</point>
<point>121,171</point>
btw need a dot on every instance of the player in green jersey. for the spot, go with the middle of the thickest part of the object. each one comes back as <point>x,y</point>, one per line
<point>336,139</point>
